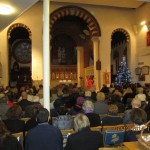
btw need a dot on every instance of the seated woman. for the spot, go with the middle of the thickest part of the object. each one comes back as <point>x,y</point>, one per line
<point>84,138</point>
<point>94,118</point>
<point>139,118</point>
<point>112,118</point>
<point>7,141</point>
<point>64,121</point>
<point>13,122</point>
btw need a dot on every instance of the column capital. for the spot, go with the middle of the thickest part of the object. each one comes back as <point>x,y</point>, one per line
<point>95,38</point>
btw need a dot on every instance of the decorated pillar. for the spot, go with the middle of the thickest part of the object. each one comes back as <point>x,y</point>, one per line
<point>97,63</point>
<point>80,67</point>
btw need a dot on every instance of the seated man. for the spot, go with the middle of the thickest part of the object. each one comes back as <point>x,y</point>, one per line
<point>44,136</point>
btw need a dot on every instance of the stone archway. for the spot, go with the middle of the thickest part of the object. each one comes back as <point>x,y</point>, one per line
<point>20,57</point>
<point>79,12</point>
<point>89,33</point>
<point>120,41</point>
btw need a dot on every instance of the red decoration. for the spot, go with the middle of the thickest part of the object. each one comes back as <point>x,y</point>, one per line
<point>148,38</point>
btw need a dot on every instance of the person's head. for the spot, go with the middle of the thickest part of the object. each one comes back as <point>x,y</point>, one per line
<point>42,115</point>
<point>140,90</point>
<point>81,121</point>
<point>79,102</point>
<point>14,112</point>
<point>62,110</point>
<point>88,106</point>
<point>87,93</point>
<point>138,116</point>
<point>35,110</point>
<point>112,109</point>
<point>115,98</point>
<point>3,130</point>
<point>24,95</point>
<point>136,103</point>
<point>100,96</point>
<point>129,90</point>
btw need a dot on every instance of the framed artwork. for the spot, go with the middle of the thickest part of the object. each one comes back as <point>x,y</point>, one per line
<point>138,71</point>
<point>148,38</point>
<point>145,70</point>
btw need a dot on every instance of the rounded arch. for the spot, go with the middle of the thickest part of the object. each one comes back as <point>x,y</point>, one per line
<point>120,46</point>
<point>18,25</point>
<point>79,12</point>
<point>123,31</point>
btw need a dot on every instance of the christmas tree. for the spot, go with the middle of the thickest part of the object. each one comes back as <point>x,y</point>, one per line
<point>123,74</point>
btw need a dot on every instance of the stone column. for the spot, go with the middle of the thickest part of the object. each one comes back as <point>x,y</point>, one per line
<point>96,58</point>
<point>80,66</point>
<point>46,56</point>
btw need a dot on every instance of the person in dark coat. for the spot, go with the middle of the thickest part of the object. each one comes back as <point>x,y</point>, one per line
<point>7,141</point>
<point>112,118</point>
<point>94,118</point>
<point>84,138</point>
<point>44,136</point>
<point>13,122</point>
<point>24,101</point>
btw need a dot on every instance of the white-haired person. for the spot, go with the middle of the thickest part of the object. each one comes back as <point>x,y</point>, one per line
<point>84,138</point>
<point>100,106</point>
<point>142,97</point>
<point>88,108</point>
<point>136,103</point>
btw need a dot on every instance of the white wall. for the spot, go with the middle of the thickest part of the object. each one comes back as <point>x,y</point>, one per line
<point>108,18</point>
<point>143,55</point>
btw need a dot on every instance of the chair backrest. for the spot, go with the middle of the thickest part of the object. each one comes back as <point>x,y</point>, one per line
<point>65,134</point>
<point>97,128</point>
<point>113,137</point>
<point>20,137</point>
<point>25,119</point>
<point>115,127</point>
<point>128,127</point>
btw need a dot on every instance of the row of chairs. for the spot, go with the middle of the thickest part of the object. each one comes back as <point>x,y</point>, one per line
<point>112,133</point>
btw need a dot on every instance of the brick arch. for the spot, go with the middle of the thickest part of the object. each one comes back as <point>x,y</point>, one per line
<point>78,12</point>
<point>123,31</point>
<point>18,25</point>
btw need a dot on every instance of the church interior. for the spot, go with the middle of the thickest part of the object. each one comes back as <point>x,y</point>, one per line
<point>87,40</point>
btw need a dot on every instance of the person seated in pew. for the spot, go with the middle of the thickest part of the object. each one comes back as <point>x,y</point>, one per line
<point>94,118</point>
<point>7,141</point>
<point>84,138</point>
<point>63,121</point>
<point>100,106</point>
<point>44,136</point>
<point>32,122</point>
<point>13,122</point>
<point>139,118</point>
<point>112,118</point>
<point>135,103</point>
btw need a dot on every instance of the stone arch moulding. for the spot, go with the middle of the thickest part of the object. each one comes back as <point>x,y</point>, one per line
<point>18,25</point>
<point>123,31</point>
<point>79,12</point>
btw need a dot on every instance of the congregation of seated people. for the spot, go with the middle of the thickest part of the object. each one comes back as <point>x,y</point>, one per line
<point>67,104</point>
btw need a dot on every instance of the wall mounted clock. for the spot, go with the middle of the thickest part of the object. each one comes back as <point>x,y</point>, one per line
<point>22,51</point>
